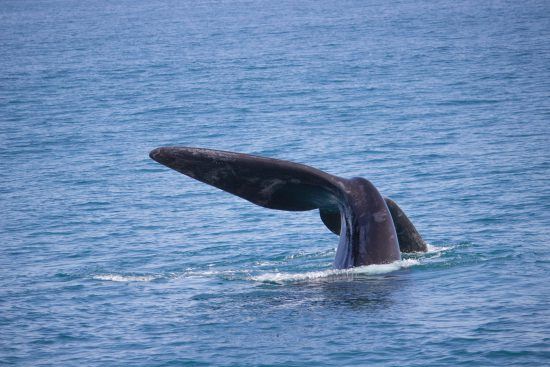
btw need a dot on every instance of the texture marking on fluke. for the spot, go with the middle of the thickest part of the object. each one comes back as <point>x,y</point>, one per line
<point>372,229</point>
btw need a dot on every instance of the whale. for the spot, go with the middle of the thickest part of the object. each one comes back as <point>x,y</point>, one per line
<point>373,229</point>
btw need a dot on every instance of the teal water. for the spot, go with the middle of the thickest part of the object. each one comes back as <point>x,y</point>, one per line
<point>110,259</point>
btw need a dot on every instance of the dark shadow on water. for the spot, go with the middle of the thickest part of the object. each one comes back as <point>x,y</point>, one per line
<point>363,292</point>
<point>358,292</point>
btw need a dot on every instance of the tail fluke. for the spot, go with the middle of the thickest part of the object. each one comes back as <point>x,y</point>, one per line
<point>407,235</point>
<point>271,183</point>
<point>278,184</point>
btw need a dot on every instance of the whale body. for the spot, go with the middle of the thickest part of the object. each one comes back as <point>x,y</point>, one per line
<point>372,229</point>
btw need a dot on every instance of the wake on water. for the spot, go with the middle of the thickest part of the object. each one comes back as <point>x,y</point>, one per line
<point>368,269</point>
<point>415,259</point>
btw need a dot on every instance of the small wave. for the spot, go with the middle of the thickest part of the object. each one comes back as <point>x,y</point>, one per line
<point>222,273</point>
<point>369,269</point>
<point>208,272</point>
<point>267,263</point>
<point>125,278</point>
<point>436,249</point>
<point>306,255</point>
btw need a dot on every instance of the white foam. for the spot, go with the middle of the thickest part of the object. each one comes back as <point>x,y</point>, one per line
<point>282,277</point>
<point>267,263</point>
<point>207,273</point>
<point>369,269</point>
<point>437,249</point>
<point>125,278</point>
<point>302,254</point>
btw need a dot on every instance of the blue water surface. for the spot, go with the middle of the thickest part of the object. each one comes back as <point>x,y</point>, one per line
<point>110,259</point>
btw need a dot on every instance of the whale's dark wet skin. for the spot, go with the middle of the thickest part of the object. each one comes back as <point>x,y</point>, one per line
<point>372,229</point>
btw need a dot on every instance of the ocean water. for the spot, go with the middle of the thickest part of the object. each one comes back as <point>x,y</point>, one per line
<point>110,259</point>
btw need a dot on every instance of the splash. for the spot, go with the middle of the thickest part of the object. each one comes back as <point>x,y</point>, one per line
<point>285,277</point>
<point>369,270</point>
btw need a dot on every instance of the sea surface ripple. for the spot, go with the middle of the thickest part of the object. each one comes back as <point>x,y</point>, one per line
<point>110,259</point>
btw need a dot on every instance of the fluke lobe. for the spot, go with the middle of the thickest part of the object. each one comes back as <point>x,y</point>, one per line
<point>372,229</point>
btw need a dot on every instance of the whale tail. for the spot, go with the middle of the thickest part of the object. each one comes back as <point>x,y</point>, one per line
<point>283,185</point>
<point>267,182</point>
<point>407,235</point>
